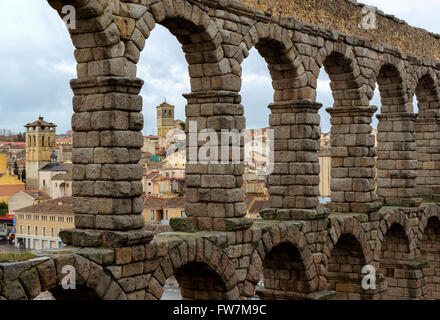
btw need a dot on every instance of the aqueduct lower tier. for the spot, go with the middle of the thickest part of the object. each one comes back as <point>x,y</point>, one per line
<point>302,250</point>
<point>300,259</point>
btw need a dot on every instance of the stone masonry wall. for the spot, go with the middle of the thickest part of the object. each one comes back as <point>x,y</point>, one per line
<point>319,259</point>
<point>217,253</point>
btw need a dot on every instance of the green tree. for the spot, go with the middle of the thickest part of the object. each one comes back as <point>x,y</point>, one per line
<point>3,208</point>
<point>16,168</point>
<point>23,175</point>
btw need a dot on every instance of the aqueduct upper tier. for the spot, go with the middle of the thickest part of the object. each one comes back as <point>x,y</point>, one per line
<point>301,249</point>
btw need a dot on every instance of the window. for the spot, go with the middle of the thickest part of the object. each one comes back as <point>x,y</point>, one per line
<point>52,231</point>
<point>52,219</point>
<point>21,228</point>
<point>28,229</point>
<point>36,231</point>
<point>152,215</point>
<point>36,218</point>
<point>166,215</point>
<point>44,231</point>
<point>60,219</point>
<point>182,214</point>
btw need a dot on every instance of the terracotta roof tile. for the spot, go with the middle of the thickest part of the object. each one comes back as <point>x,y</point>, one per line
<point>37,194</point>
<point>40,123</point>
<point>10,190</point>
<point>58,206</point>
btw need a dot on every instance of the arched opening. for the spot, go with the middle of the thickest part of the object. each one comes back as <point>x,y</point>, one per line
<point>166,79</point>
<point>344,269</point>
<point>396,157</point>
<point>351,141</point>
<point>430,252</point>
<point>294,180</point>
<point>324,95</point>
<point>394,260</point>
<point>427,138</point>
<point>195,281</point>
<point>257,94</point>
<point>284,275</point>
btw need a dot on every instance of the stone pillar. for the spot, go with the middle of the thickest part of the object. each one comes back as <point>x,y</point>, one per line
<point>107,184</point>
<point>428,157</point>
<point>397,163</point>
<point>294,183</point>
<point>214,194</point>
<point>353,159</point>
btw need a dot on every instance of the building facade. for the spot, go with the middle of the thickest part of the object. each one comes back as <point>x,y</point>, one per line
<point>40,141</point>
<point>38,226</point>
<point>9,185</point>
<point>25,199</point>
<point>161,210</point>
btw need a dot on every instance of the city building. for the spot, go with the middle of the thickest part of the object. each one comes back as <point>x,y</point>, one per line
<point>9,185</point>
<point>61,186</point>
<point>38,226</point>
<point>151,143</point>
<point>26,198</point>
<point>40,141</point>
<point>48,172</point>
<point>161,210</point>
<point>165,122</point>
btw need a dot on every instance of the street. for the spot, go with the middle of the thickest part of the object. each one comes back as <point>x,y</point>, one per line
<point>5,247</point>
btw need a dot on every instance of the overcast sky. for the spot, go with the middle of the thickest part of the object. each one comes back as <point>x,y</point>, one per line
<point>36,64</point>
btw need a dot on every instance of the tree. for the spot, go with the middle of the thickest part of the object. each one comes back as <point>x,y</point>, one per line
<point>16,168</point>
<point>23,175</point>
<point>3,208</point>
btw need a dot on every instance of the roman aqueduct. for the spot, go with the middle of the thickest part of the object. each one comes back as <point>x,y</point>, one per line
<point>390,220</point>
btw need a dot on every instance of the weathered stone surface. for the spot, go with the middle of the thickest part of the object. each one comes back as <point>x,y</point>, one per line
<point>31,283</point>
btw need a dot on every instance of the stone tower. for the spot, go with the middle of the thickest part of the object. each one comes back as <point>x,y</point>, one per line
<point>40,141</point>
<point>165,121</point>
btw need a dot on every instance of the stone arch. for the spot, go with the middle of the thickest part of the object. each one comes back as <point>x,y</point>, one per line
<point>430,254</point>
<point>283,245</point>
<point>400,218</point>
<point>195,31</point>
<point>347,226</point>
<point>92,276</point>
<point>426,89</point>
<point>431,211</point>
<point>390,76</point>
<point>346,80</point>
<point>91,279</point>
<point>403,277</point>
<point>345,252</point>
<point>285,65</point>
<point>352,182</point>
<point>203,271</point>
<point>396,180</point>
